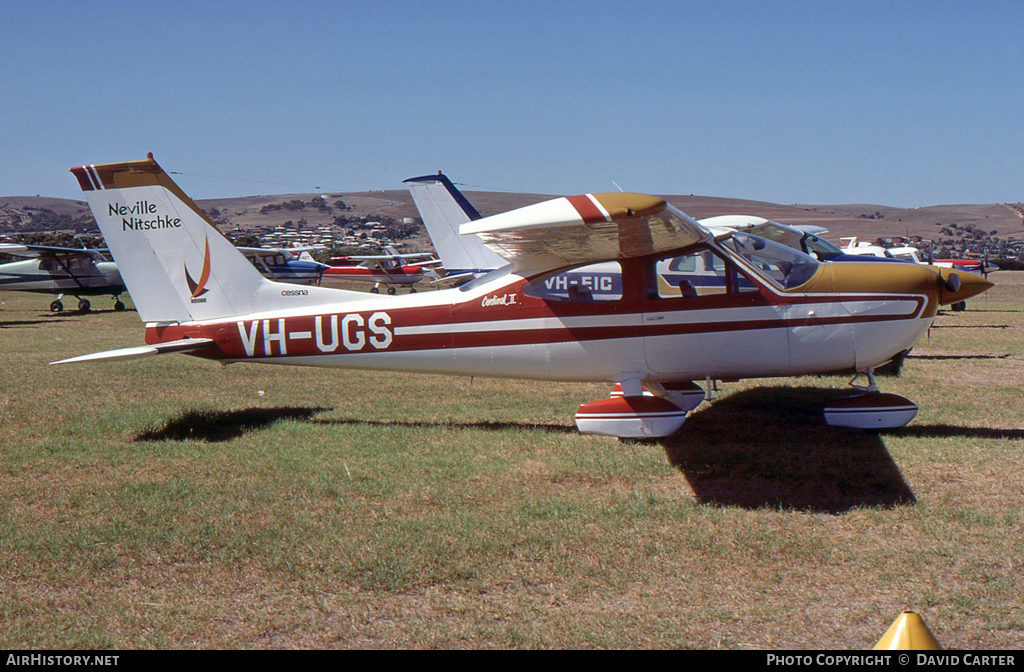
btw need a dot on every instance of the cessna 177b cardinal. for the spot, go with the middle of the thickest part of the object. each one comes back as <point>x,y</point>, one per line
<point>774,311</point>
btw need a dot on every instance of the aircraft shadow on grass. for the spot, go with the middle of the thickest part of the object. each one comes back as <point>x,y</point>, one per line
<point>756,449</point>
<point>987,310</point>
<point>957,357</point>
<point>74,312</point>
<point>770,448</point>
<point>487,426</point>
<point>65,316</point>
<point>955,432</point>
<point>7,324</point>
<point>217,426</point>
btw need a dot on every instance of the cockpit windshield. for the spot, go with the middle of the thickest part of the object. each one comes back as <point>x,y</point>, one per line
<point>782,266</point>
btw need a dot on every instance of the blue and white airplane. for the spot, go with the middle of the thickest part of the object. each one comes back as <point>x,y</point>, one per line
<point>287,264</point>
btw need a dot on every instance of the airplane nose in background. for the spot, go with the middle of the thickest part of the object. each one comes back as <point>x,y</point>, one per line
<point>959,286</point>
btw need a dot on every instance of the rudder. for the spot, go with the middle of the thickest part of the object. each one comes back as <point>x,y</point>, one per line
<point>176,264</point>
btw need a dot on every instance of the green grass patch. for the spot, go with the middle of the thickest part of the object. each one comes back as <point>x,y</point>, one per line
<point>175,503</point>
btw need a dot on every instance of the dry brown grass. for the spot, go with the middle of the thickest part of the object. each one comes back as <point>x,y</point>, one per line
<point>161,503</point>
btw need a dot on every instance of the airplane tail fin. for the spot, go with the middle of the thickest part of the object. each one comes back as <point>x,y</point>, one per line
<point>177,265</point>
<point>443,209</point>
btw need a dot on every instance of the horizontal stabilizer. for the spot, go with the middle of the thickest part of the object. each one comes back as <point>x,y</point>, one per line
<point>126,354</point>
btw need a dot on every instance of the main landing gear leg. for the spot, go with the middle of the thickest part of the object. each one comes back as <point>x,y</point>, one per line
<point>869,408</point>
<point>872,386</point>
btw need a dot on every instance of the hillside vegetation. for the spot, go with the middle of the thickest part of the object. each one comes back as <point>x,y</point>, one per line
<point>953,230</point>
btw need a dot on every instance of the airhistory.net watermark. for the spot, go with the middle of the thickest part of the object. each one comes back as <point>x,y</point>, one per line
<point>60,660</point>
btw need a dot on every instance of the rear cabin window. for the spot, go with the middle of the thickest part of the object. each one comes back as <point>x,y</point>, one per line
<point>587,284</point>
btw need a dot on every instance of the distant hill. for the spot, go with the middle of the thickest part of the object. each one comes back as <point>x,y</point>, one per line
<point>841,220</point>
<point>19,214</point>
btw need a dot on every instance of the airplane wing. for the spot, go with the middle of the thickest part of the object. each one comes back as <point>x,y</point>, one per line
<point>125,354</point>
<point>384,257</point>
<point>13,248</point>
<point>810,228</point>
<point>272,251</point>
<point>585,229</point>
<point>31,250</point>
<point>751,221</point>
<point>733,221</point>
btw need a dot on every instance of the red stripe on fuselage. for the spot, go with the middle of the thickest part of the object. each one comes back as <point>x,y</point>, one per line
<point>475,325</point>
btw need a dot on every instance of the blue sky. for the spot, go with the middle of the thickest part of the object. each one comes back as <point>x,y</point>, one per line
<point>897,103</point>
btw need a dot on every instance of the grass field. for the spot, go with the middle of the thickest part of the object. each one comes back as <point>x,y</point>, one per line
<point>172,502</point>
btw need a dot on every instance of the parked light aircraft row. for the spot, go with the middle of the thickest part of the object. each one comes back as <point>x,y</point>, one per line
<point>83,273</point>
<point>772,310</point>
<point>915,255</point>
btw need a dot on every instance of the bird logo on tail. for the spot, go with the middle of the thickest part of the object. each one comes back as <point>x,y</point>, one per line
<point>199,288</point>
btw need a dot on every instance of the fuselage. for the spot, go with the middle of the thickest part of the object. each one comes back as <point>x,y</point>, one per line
<point>504,325</point>
<point>291,270</point>
<point>46,276</point>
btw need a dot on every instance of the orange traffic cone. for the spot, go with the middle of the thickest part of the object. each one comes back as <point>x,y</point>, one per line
<point>908,633</point>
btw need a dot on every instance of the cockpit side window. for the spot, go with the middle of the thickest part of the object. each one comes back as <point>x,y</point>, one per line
<point>697,274</point>
<point>782,266</point>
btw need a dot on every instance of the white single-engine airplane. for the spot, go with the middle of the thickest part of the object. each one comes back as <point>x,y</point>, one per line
<point>60,271</point>
<point>777,312</point>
